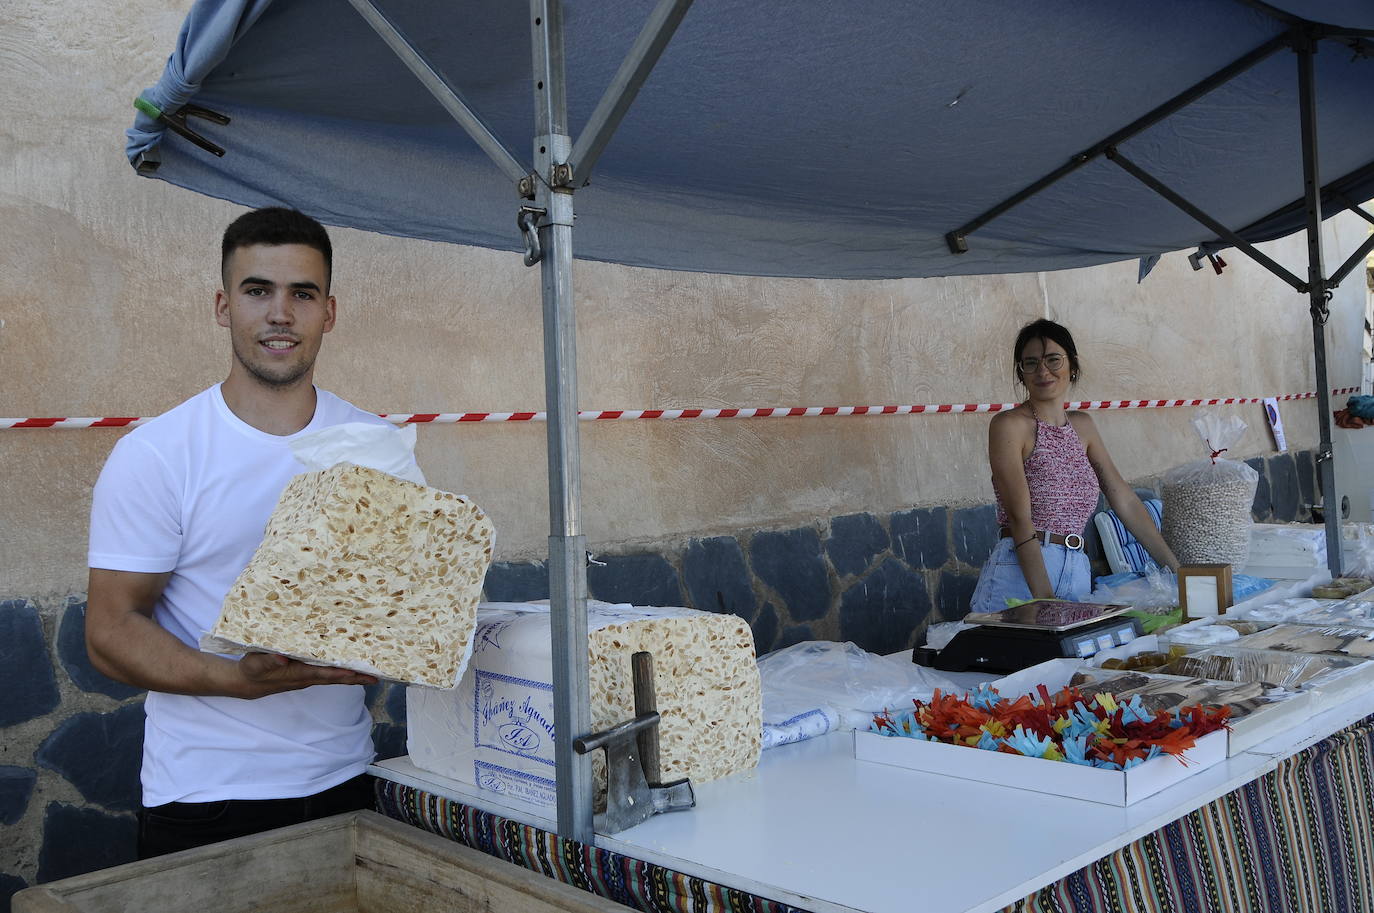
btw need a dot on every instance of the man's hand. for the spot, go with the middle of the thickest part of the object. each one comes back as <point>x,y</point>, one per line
<point>127,645</point>
<point>271,673</point>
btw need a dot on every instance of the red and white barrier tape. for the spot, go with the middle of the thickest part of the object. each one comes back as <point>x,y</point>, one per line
<point>420,418</point>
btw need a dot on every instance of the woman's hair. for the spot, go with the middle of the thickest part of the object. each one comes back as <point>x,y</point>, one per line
<point>1051,332</point>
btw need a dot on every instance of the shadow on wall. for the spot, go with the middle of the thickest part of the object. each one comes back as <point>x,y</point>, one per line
<point>71,739</point>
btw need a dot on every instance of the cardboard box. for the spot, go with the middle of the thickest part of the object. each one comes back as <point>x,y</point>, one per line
<point>495,731</point>
<point>1059,778</point>
<point>1260,724</point>
<point>1243,734</point>
<point>1074,781</point>
<point>1340,686</point>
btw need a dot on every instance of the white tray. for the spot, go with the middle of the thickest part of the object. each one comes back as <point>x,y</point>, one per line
<point>1059,778</point>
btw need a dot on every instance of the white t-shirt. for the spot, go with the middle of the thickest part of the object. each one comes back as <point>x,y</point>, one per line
<point>191,492</point>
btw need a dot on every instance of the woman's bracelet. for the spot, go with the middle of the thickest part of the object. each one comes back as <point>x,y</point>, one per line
<point>1031,539</point>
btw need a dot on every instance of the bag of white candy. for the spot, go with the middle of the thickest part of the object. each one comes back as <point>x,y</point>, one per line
<point>1207,502</point>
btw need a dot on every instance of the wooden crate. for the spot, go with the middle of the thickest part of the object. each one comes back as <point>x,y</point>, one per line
<point>360,862</point>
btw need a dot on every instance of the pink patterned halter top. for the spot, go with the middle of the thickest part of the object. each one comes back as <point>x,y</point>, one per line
<point>1063,486</point>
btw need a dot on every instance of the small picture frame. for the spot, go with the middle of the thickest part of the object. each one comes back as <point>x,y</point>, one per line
<point>1204,590</point>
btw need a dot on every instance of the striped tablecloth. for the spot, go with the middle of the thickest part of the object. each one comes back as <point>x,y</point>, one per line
<point>1299,839</point>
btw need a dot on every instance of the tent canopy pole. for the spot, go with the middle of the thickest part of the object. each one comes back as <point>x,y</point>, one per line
<point>1319,293</point>
<point>1356,208</point>
<point>567,544</point>
<point>551,185</point>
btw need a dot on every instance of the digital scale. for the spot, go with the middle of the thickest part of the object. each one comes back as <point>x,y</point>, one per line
<point>1020,637</point>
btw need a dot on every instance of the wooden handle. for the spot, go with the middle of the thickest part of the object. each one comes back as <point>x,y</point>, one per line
<point>642,667</point>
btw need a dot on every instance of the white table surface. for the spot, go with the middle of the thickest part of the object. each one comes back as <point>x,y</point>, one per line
<point>815,828</point>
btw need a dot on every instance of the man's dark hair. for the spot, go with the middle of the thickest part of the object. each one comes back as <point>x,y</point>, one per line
<point>1045,330</point>
<point>275,225</point>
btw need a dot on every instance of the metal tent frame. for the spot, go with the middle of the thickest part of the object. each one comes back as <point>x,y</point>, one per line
<point>562,165</point>
<point>1302,38</point>
<point>544,210</point>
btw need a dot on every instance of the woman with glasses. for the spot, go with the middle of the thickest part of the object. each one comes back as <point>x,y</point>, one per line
<point>1048,466</point>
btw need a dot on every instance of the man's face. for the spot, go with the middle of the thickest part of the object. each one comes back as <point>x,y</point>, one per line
<point>277,306</point>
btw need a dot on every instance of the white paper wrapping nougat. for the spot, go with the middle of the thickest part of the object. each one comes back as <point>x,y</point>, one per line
<point>362,570</point>
<point>496,729</point>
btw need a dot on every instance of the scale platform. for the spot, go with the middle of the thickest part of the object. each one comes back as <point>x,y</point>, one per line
<point>1026,635</point>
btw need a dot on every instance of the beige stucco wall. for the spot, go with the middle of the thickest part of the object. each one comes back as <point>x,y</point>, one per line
<point>106,283</point>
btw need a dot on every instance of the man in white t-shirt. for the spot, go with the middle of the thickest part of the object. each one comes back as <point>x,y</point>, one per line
<point>232,746</point>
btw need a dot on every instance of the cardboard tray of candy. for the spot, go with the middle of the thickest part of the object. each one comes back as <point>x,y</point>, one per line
<point>1294,685</point>
<point>1071,781</point>
<point>1356,612</point>
<point>1112,787</point>
<point>1327,678</point>
<point>1258,713</point>
<point>1346,652</point>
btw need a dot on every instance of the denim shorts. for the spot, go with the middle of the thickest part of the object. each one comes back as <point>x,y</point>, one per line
<point>1001,578</point>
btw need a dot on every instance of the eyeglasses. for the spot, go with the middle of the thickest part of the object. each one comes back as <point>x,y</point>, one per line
<point>1029,366</point>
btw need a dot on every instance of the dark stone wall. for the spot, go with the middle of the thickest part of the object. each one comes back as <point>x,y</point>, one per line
<point>71,739</point>
<point>877,580</point>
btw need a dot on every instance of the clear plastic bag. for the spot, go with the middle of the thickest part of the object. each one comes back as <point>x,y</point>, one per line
<point>1332,640</point>
<point>939,635</point>
<point>816,686</point>
<point>1207,502</point>
<point>1357,541</point>
<point>1350,613</point>
<point>379,447</point>
<point>1156,588</point>
<point>1272,668</point>
<point>1279,611</point>
<point>1191,637</point>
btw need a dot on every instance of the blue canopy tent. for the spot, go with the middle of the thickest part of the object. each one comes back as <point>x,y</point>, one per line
<point>855,140</point>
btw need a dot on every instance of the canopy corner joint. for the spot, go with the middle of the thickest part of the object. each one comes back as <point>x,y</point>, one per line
<point>561,177</point>
<point>1302,39</point>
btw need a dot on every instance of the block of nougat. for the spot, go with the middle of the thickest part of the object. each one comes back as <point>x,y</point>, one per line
<point>362,570</point>
<point>496,730</point>
<point>706,681</point>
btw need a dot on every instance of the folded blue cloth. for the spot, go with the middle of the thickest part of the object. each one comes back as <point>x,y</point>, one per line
<point>1361,407</point>
<point>1243,586</point>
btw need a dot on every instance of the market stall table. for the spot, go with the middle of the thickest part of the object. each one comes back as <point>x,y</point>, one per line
<point>815,829</point>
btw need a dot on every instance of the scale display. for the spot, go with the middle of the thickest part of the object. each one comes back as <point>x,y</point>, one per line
<point>1048,615</point>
